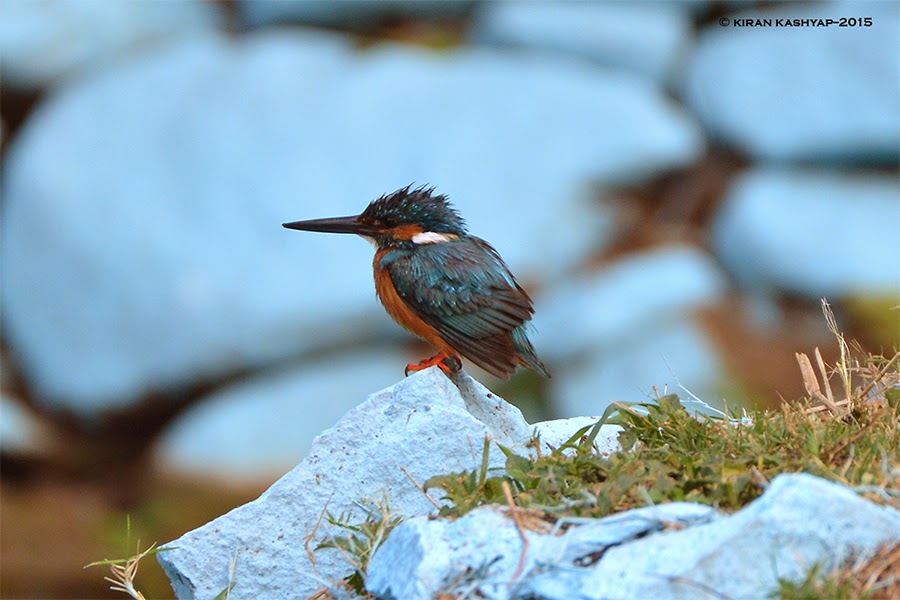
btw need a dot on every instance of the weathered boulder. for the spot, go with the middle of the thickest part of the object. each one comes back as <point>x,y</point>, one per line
<point>425,424</point>
<point>677,550</point>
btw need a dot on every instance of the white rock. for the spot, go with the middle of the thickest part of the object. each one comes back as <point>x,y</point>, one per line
<point>800,93</point>
<point>258,429</point>
<point>592,535</point>
<point>674,352</point>
<point>676,550</point>
<point>424,424</point>
<point>649,38</point>
<point>480,552</point>
<point>154,255</point>
<point>44,42</point>
<point>421,561</point>
<point>799,522</point>
<point>813,233</point>
<point>626,300</point>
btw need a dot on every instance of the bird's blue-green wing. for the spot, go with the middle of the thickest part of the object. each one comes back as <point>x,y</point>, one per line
<point>463,289</point>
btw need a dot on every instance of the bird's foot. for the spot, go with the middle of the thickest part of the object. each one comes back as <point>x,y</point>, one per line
<point>448,363</point>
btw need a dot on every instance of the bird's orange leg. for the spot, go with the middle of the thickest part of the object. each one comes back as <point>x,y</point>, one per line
<point>448,363</point>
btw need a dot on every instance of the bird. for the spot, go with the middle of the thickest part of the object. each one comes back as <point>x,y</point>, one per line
<point>441,283</point>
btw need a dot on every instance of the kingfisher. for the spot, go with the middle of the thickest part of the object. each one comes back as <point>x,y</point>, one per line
<point>441,283</point>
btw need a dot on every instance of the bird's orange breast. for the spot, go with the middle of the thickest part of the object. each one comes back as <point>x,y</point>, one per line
<point>399,311</point>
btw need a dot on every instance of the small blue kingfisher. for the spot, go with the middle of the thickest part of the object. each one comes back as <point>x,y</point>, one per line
<point>442,284</point>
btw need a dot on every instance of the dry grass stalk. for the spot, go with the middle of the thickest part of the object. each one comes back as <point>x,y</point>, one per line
<point>515,515</point>
<point>811,383</point>
<point>124,572</point>
<point>421,489</point>
<point>843,366</point>
<point>875,380</point>
<point>879,577</point>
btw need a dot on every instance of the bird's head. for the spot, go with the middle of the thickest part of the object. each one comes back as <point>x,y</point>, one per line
<point>407,217</point>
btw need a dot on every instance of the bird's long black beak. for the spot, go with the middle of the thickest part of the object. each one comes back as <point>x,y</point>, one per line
<point>332,225</point>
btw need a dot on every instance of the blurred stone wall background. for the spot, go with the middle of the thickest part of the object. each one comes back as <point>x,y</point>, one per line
<point>676,188</point>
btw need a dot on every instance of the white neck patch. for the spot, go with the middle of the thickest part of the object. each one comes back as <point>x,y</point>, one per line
<point>432,237</point>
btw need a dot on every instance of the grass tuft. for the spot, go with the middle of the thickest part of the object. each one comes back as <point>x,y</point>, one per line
<point>672,455</point>
<point>124,570</point>
<point>361,541</point>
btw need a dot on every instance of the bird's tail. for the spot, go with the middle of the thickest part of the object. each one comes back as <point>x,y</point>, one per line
<point>525,351</point>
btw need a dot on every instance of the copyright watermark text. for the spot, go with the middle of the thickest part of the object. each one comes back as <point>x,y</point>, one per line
<point>813,22</point>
